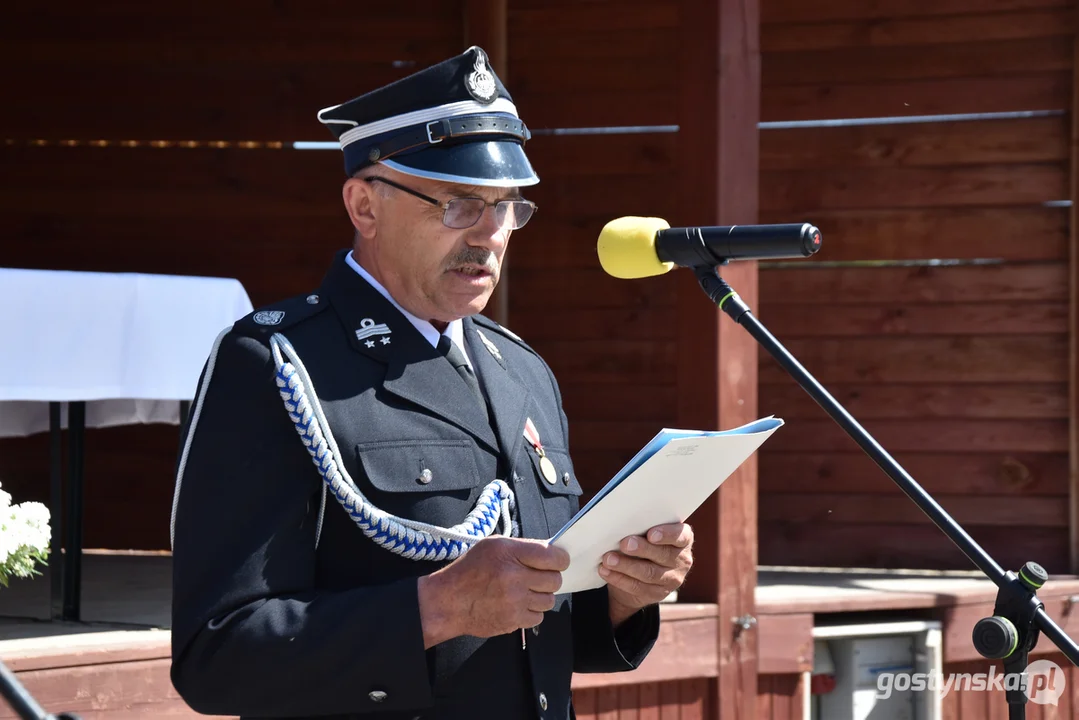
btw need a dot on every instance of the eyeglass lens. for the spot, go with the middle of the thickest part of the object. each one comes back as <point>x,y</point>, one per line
<point>465,212</point>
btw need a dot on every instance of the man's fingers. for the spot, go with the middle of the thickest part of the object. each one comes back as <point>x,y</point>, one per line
<point>539,556</point>
<point>679,535</point>
<point>544,581</point>
<point>665,555</point>
<point>645,571</point>
<point>540,603</point>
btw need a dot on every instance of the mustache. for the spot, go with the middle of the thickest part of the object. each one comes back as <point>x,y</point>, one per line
<point>474,256</point>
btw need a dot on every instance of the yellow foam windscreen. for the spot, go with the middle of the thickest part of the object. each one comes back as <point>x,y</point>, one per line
<point>627,247</point>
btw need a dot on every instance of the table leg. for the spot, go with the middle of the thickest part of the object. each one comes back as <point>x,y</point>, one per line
<point>76,422</point>
<point>56,512</point>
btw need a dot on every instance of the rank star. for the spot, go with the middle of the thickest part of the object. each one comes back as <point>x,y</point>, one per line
<point>385,341</point>
<point>370,343</point>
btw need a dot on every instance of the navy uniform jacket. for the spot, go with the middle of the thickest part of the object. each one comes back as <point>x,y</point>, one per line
<point>282,607</point>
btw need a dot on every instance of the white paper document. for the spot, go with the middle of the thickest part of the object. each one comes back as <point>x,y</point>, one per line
<point>664,483</point>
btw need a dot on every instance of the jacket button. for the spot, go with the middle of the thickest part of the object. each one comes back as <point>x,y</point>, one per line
<point>535,629</point>
<point>426,476</point>
<point>376,696</point>
<point>565,478</point>
<point>312,299</point>
<point>543,701</point>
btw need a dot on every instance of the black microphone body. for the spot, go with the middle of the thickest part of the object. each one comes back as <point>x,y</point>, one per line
<point>711,246</point>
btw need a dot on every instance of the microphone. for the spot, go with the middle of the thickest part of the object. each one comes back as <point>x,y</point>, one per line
<point>636,247</point>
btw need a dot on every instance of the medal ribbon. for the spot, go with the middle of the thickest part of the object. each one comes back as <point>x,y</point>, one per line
<point>532,435</point>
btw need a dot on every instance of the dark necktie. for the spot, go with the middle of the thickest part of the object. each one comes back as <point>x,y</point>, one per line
<point>457,358</point>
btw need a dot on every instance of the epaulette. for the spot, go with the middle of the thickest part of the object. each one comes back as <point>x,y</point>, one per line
<point>265,321</point>
<point>489,323</point>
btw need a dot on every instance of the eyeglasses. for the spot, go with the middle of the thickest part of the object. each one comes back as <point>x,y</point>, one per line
<point>464,212</point>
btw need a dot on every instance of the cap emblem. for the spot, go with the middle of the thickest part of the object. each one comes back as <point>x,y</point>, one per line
<point>481,82</point>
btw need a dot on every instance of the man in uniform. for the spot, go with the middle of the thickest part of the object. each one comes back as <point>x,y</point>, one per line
<point>370,469</point>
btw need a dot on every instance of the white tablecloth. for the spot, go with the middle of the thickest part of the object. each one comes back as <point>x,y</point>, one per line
<point>130,345</point>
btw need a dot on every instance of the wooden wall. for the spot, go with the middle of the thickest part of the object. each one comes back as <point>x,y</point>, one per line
<point>959,369</point>
<point>677,700</point>
<point>611,343</point>
<point>159,140</point>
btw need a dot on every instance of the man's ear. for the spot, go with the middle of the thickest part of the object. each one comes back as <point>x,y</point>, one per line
<point>361,202</point>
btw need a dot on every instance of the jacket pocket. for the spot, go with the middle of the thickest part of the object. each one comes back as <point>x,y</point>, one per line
<point>430,481</point>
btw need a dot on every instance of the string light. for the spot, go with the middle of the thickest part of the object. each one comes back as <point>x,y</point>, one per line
<point>156,144</point>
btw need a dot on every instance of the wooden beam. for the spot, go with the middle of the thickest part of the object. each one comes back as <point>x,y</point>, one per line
<point>1073,335</point>
<point>719,100</point>
<point>485,25</point>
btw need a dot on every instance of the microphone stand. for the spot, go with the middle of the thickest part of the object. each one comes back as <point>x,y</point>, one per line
<point>1018,615</point>
<point>22,702</point>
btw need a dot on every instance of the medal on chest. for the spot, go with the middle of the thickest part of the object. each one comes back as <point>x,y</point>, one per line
<point>546,466</point>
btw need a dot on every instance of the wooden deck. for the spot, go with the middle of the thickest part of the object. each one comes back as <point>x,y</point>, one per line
<point>115,663</point>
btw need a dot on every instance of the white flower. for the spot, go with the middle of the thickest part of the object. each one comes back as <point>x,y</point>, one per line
<point>24,537</point>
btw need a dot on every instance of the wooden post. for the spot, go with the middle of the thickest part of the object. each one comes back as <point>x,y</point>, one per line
<point>485,25</point>
<point>1073,327</point>
<point>719,108</point>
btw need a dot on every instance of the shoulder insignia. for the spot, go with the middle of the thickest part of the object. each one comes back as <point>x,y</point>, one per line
<point>280,315</point>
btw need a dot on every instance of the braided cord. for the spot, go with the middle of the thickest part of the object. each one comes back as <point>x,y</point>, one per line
<point>408,538</point>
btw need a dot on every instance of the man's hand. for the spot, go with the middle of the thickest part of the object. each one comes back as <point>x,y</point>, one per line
<point>647,569</point>
<point>500,585</point>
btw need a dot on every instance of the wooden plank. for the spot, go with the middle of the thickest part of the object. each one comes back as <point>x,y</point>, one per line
<point>984,473</point>
<point>591,323</point>
<point>290,64</point>
<point>764,697</point>
<point>1042,91</point>
<point>718,58</point>
<point>124,691</point>
<point>555,157</point>
<point>589,286</point>
<point>938,144</point>
<point>972,359</point>
<point>1034,282</point>
<point>1073,333</point>
<point>649,701</point>
<point>581,197</point>
<point>785,642</point>
<point>592,401</point>
<point>585,45</point>
<point>629,700</point>
<point>618,361</point>
<point>950,232</point>
<point>607,703</point>
<point>803,191</point>
<point>893,31</point>
<point>900,320</point>
<point>531,23</point>
<point>695,696</point>
<point>930,435</point>
<point>873,509</point>
<point>867,402</point>
<point>794,11</point>
<point>669,701</point>
<point>172,182</point>
<point>921,546</point>
<point>550,108</point>
<point>547,73</point>
<point>584,703</point>
<point>686,648</point>
<point>994,58</point>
